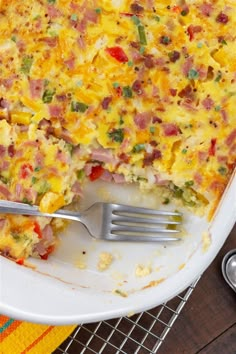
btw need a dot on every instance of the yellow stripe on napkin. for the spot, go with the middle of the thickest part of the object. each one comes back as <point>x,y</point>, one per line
<point>28,338</point>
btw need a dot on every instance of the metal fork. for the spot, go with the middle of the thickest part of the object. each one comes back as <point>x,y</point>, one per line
<point>112,222</point>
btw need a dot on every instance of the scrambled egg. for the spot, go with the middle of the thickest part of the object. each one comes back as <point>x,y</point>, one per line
<point>126,91</point>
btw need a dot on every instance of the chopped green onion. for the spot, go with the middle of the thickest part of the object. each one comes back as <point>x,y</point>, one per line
<point>218,77</point>
<point>135,20</point>
<point>217,108</point>
<point>200,45</point>
<point>48,96</point>
<point>34,180</point>
<point>37,17</point>
<point>127,92</point>
<point>13,38</point>
<point>115,84</point>
<point>138,147</point>
<point>79,83</point>
<point>152,129</point>
<point>184,13</point>
<point>142,35</point>
<point>121,120</point>
<point>26,201</point>
<point>37,169</point>
<point>184,151</point>
<point>224,42</point>
<point>27,62</point>
<point>156,18</point>
<point>78,107</point>
<point>177,192</point>
<point>98,10</point>
<point>45,82</point>
<point>222,170</point>
<point>130,63</point>
<point>166,201</point>
<point>142,50</point>
<point>80,174</point>
<point>193,74</point>
<point>74,17</point>
<point>165,40</point>
<point>51,1</point>
<point>116,135</point>
<point>189,183</point>
<point>43,187</point>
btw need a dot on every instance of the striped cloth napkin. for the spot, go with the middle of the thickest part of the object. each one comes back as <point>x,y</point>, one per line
<point>17,337</point>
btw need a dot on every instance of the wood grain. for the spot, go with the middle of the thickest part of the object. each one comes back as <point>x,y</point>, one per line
<point>208,315</point>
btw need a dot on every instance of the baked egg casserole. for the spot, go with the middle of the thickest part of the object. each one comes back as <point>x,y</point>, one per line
<point>124,91</point>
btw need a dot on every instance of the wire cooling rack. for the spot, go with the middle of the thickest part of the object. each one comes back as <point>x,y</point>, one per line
<point>142,333</point>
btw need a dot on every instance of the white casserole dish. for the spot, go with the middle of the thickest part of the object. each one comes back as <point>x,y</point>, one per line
<point>57,292</point>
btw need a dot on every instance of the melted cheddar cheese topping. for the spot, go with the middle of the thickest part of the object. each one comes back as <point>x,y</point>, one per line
<point>126,91</point>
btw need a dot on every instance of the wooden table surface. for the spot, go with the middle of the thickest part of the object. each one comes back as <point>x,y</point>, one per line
<point>207,323</point>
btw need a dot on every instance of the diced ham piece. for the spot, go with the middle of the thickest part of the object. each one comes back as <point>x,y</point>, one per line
<point>160,182</point>
<point>70,63</point>
<point>150,157</point>
<point>76,189</point>
<point>2,223</point>
<point>4,165</point>
<point>30,194</point>
<point>188,104</point>
<point>4,103</point>
<point>39,158</point>
<point>5,192</point>
<point>61,156</point>
<point>103,155</point>
<point>18,190</point>
<point>55,110</point>
<point>106,101</point>
<point>206,9</point>
<point>88,169</point>
<point>65,135</point>
<point>36,88</point>
<point>217,186</point>
<point>53,12</point>
<point>91,15</point>
<point>197,178</point>
<point>51,41</point>
<point>142,119</point>
<point>192,30</point>
<point>202,156</point>
<point>81,42</point>
<point>224,115</point>
<point>2,151</point>
<point>10,150</point>
<point>47,234</point>
<point>222,159</point>
<point>231,138</point>
<point>208,103</point>
<point>40,248</point>
<point>170,129</point>
<point>118,178</point>
<point>106,176</point>
<point>7,83</point>
<point>188,64</point>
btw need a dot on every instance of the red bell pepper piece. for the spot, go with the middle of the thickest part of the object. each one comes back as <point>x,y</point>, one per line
<point>118,54</point>
<point>20,261</point>
<point>37,229</point>
<point>26,168</point>
<point>212,149</point>
<point>50,249</point>
<point>96,172</point>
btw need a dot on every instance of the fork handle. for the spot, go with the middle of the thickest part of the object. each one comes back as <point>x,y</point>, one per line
<point>7,207</point>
